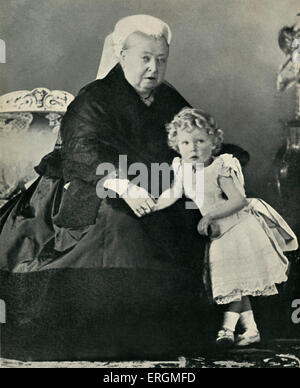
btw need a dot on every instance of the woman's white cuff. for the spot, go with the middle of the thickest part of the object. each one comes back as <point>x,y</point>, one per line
<point>119,186</point>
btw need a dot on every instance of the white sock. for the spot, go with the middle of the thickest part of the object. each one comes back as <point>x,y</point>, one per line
<point>230,320</point>
<point>247,321</point>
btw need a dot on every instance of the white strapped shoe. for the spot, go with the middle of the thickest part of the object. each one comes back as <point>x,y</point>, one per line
<point>225,338</point>
<point>248,338</point>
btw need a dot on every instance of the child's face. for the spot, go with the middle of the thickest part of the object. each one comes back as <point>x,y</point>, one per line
<point>196,146</point>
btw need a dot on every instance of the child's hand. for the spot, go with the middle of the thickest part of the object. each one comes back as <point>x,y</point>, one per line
<point>203,225</point>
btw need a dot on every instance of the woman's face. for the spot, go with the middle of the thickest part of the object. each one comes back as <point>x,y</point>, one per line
<point>144,62</point>
<point>196,146</point>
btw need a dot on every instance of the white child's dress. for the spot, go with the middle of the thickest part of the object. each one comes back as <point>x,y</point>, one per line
<point>247,258</point>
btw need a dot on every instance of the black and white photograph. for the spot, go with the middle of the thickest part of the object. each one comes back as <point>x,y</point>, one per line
<point>149,186</point>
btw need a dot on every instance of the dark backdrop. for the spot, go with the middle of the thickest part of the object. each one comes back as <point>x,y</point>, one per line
<point>224,59</point>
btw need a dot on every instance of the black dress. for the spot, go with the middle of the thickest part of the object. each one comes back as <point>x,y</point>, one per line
<point>83,277</point>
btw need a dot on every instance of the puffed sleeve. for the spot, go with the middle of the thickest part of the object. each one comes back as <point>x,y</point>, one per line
<point>89,138</point>
<point>237,151</point>
<point>229,166</point>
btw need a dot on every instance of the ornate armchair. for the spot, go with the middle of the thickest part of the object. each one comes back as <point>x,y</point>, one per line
<point>29,128</point>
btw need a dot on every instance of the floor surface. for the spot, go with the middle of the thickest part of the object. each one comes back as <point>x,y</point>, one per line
<point>280,353</point>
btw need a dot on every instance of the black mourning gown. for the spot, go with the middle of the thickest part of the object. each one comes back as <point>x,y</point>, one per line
<point>83,277</point>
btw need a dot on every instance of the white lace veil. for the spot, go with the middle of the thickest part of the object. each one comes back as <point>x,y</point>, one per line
<point>114,42</point>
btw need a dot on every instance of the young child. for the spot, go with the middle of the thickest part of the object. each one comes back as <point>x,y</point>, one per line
<point>246,253</point>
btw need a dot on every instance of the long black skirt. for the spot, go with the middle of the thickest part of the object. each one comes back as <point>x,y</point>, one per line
<point>124,287</point>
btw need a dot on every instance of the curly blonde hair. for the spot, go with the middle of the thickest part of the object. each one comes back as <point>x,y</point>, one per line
<point>189,119</point>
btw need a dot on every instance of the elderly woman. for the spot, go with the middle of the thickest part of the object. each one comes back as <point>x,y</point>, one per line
<point>83,276</point>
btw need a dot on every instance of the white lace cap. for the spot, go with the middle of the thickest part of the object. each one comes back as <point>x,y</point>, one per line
<point>114,42</point>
